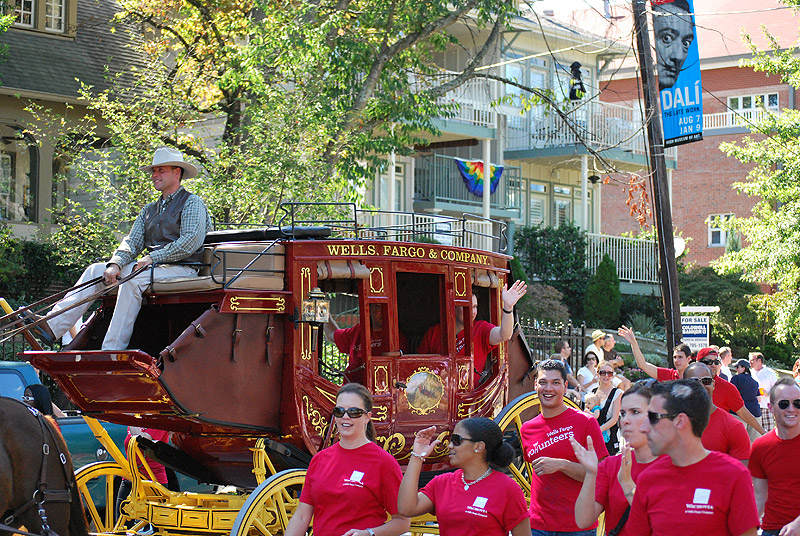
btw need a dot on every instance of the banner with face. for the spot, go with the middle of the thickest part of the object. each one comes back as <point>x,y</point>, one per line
<point>678,70</point>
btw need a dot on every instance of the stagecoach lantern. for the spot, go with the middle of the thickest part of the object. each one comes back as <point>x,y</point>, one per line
<point>316,307</point>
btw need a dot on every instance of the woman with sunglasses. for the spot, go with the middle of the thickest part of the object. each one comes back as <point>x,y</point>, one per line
<point>351,487</point>
<point>609,403</point>
<point>608,487</point>
<point>476,499</point>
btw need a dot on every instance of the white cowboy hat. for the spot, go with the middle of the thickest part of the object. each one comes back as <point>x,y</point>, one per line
<point>167,156</point>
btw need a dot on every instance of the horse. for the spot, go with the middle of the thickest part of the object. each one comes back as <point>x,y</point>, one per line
<point>36,471</point>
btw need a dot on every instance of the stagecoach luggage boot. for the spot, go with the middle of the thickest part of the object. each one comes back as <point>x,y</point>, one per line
<point>129,301</point>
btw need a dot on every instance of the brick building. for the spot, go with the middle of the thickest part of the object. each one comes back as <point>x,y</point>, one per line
<point>702,184</point>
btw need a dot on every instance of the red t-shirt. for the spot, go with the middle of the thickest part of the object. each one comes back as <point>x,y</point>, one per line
<point>493,506</point>
<point>667,374</point>
<point>351,488</point>
<point>432,343</point>
<point>608,491</point>
<point>775,459</point>
<point>713,497</point>
<point>725,433</point>
<point>553,496</point>
<point>726,396</point>
<point>159,471</point>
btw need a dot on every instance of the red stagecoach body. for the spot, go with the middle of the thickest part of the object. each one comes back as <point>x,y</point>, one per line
<point>222,359</point>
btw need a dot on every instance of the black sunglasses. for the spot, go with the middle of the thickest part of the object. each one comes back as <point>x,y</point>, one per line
<point>456,439</point>
<point>654,417</point>
<point>705,380</point>
<point>783,404</point>
<point>711,361</point>
<point>353,413</point>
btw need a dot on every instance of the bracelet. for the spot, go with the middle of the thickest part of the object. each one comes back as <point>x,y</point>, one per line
<point>508,312</point>
<point>420,456</point>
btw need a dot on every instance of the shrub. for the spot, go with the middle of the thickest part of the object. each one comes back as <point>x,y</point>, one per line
<point>556,256</point>
<point>543,303</point>
<point>603,297</point>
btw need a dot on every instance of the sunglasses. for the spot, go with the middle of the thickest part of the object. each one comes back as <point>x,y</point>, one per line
<point>783,404</point>
<point>27,399</point>
<point>353,413</point>
<point>705,380</point>
<point>654,417</point>
<point>711,361</point>
<point>456,439</point>
<point>606,373</point>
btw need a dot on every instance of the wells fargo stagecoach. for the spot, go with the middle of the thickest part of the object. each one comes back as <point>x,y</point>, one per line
<point>234,362</point>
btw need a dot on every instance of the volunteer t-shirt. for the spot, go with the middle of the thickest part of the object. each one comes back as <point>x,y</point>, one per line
<point>667,374</point>
<point>553,496</point>
<point>775,459</point>
<point>432,343</point>
<point>608,490</point>
<point>351,488</point>
<point>725,433</point>
<point>726,395</point>
<point>711,497</point>
<point>492,507</point>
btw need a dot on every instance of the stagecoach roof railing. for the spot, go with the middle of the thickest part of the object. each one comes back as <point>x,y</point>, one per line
<point>396,225</point>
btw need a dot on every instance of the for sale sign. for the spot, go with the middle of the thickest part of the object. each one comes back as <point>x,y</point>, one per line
<point>696,331</point>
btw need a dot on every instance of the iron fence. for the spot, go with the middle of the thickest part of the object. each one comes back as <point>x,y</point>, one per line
<point>542,337</point>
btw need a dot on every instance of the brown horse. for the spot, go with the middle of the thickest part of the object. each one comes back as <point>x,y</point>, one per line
<point>24,467</point>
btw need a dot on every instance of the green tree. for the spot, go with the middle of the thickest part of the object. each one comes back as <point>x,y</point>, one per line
<point>603,297</point>
<point>278,101</point>
<point>556,256</point>
<point>771,234</point>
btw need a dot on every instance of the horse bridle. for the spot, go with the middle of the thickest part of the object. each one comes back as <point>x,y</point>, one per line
<point>42,495</point>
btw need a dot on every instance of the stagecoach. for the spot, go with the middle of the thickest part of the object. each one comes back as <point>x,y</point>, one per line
<point>235,363</point>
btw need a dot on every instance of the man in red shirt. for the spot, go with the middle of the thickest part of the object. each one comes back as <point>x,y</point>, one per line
<point>348,341</point>
<point>691,491</point>
<point>556,474</point>
<point>773,463</point>
<point>724,432</point>
<point>485,335</point>
<point>726,395</point>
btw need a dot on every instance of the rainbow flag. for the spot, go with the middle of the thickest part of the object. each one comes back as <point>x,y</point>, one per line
<point>472,173</point>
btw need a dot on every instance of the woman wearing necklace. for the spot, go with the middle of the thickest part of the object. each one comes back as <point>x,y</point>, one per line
<point>351,486</point>
<point>475,499</point>
<point>610,486</point>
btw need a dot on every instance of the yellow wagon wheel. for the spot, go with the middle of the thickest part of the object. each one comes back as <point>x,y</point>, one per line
<point>97,484</point>
<point>268,509</point>
<point>510,420</point>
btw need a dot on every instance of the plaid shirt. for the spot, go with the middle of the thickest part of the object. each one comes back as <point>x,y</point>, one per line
<point>195,223</point>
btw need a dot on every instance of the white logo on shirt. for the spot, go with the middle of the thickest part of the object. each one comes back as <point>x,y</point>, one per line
<point>699,504</point>
<point>701,496</point>
<point>355,479</point>
<point>478,507</point>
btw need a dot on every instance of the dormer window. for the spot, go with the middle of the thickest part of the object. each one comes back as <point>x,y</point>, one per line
<point>50,16</point>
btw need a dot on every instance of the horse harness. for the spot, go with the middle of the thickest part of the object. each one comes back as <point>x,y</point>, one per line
<point>43,495</point>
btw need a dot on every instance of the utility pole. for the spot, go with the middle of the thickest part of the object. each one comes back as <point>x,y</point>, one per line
<point>658,167</point>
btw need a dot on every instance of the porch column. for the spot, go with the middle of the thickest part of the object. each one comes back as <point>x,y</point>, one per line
<point>585,193</point>
<point>487,182</point>
<point>392,195</point>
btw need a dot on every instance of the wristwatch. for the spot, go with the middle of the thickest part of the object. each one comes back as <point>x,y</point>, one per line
<point>371,532</point>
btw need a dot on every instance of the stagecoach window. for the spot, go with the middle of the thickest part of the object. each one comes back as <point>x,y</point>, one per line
<point>420,302</point>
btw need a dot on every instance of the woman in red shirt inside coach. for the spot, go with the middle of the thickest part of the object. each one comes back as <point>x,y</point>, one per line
<point>351,487</point>
<point>476,499</point>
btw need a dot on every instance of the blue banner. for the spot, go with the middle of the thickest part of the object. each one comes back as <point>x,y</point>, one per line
<point>678,70</point>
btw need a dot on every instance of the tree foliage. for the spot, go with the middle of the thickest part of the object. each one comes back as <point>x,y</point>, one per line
<point>556,256</point>
<point>771,250</point>
<point>277,101</point>
<point>603,297</point>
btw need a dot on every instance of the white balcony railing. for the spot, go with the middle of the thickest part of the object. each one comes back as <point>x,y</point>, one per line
<point>636,259</point>
<point>740,118</point>
<point>602,125</point>
<point>474,98</point>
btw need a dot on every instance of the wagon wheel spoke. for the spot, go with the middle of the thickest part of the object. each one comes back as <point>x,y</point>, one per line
<point>270,506</point>
<point>98,493</point>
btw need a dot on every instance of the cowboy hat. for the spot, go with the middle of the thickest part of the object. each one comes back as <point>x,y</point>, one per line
<point>167,156</point>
